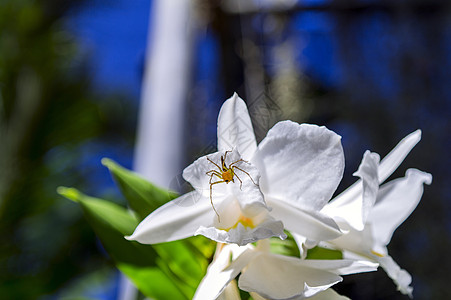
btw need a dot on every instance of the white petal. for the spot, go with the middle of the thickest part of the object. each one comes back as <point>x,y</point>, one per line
<point>235,225</point>
<point>340,266</point>
<point>359,266</point>
<point>354,267</point>
<point>387,166</point>
<point>303,244</point>
<point>400,276</point>
<point>312,291</point>
<point>175,220</point>
<point>329,294</point>
<point>235,128</point>
<point>393,159</point>
<point>300,163</point>
<point>312,225</point>
<point>288,277</point>
<point>256,296</point>
<point>231,292</point>
<point>221,272</point>
<point>196,173</point>
<point>395,202</point>
<point>246,188</point>
<point>211,285</point>
<point>360,242</point>
<point>245,178</point>
<point>354,207</point>
<point>242,235</point>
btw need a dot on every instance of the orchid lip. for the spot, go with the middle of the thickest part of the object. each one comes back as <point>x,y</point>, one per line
<point>245,221</point>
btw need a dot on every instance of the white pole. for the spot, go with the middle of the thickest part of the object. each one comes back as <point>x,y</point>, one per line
<point>158,152</point>
<point>159,149</point>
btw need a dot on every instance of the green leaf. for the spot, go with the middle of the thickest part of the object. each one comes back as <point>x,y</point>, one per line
<point>323,253</point>
<point>142,196</point>
<point>179,259</point>
<point>139,262</point>
<point>153,281</point>
<point>187,259</point>
<point>286,247</point>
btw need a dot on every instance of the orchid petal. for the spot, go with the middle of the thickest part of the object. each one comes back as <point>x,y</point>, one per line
<point>353,208</point>
<point>234,225</point>
<point>175,220</point>
<point>340,266</point>
<point>221,272</point>
<point>245,178</point>
<point>360,242</point>
<point>242,235</point>
<point>196,173</point>
<point>289,278</point>
<point>235,128</point>
<point>329,294</point>
<point>211,285</point>
<point>231,292</point>
<point>386,167</point>
<point>218,277</point>
<point>312,291</point>
<point>395,202</point>
<point>393,159</point>
<point>300,163</point>
<point>359,266</point>
<point>400,276</point>
<point>256,296</point>
<point>310,224</point>
<point>246,188</point>
<point>303,244</point>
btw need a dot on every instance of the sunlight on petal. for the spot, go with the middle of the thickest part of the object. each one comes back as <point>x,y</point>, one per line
<point>300,163</point>
<point>395,202</point>
<point>235,128</point>
<point>353,207</point>
<point>312,225</point>
<point>393,159</point>
<point>329,294</point>
<point>175,220</point>
<point>288,277</point>
<point>222,271</point>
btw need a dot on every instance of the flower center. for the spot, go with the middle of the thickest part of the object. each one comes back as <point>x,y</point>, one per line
<point>246,222</point>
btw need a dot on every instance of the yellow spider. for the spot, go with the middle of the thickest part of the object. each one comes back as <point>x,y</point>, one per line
<point>225,174</point>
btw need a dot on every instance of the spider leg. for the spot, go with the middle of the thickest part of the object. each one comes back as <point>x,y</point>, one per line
<point>225,154</point>
<point>241,183</point>
<point>213,172</point>
<point>211,196</point>
<point>238,162</point>
<point>211,177</point>
<point>235,167</point>
<point>223,161</point>
<point>214,164</point>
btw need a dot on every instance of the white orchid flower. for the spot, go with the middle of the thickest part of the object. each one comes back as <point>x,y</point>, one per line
<point>371,214</point>
<point>297,167</point>
<point>274,276</point>
<point>300,167</point>
<point>226,212</point>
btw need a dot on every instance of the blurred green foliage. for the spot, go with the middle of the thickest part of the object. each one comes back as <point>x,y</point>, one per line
<point>47,113</point>
<point>162,271</point>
